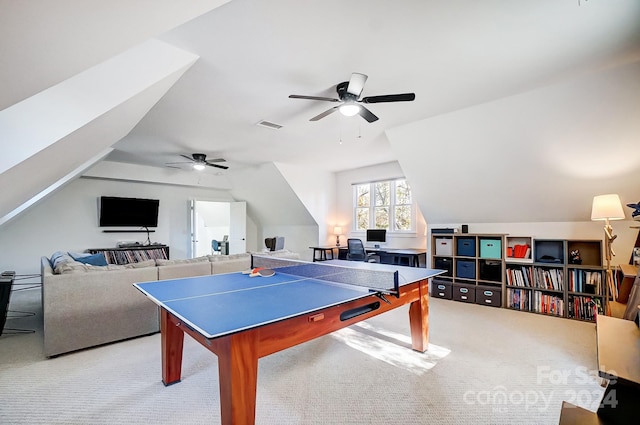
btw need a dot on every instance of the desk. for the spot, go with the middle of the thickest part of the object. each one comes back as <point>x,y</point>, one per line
<point>241,319</point>
<point>323,251</point>
<point>396,256</point>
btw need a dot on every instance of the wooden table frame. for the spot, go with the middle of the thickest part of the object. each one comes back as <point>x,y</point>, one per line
<point>238,353</point>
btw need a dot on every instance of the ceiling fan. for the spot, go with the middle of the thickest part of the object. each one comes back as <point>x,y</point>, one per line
<point>350,102</point>
<point>200,162</point>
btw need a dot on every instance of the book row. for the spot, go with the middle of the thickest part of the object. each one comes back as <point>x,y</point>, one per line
<point>535,278</point>
<point>585,281</point>
<point>535,301</point>
<point>134,256</point>
<point>584,308</point>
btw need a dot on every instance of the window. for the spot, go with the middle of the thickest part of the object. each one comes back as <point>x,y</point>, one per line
<point>384,205</point>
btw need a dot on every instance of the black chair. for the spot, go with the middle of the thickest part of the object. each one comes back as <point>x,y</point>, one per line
<point>356,251</point>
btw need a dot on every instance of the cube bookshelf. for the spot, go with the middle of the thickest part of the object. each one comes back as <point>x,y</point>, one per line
<point>522,273</point>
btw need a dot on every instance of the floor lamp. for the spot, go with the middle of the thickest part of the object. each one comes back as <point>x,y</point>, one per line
<point>608,207</point>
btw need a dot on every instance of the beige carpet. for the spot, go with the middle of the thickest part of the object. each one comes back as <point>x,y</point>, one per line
<point>484,366</point>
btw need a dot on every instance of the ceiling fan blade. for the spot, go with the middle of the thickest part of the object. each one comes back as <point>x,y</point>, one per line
<point>327,99</point>
<point>224,167</point>
<point>367,114</point>
<point>216,160</point>
<point>188,157</point>
<point>175,163</point>
<point>325,113</point>
<point>356,84</point>
<point>404,97</point>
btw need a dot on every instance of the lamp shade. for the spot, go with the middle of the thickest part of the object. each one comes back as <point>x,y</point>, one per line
<point>337,230</point>
<point>607,207</point>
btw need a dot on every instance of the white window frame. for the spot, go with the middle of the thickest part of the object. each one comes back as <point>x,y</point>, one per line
<point>392,206</point>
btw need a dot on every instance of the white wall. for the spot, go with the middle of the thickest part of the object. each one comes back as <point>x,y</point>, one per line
<point>317,191</point>
<point>539,156</point>
<point>68,221</point>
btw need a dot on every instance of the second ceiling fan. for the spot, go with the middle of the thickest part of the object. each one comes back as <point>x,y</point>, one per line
<point>350,102</point>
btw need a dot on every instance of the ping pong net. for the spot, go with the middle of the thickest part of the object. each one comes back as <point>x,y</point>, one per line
<point>378,281</point>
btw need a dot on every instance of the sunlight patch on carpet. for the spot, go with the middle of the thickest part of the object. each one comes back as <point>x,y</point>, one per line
<point>390,347</point>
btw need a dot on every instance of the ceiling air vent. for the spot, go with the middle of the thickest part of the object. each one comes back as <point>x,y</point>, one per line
<point>268,124</point>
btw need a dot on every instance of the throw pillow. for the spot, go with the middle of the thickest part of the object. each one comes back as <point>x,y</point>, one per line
<point>58,258</point>
<point>93,260</point>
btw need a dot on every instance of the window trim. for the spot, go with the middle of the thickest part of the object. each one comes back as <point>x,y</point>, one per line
<point>392,205</point>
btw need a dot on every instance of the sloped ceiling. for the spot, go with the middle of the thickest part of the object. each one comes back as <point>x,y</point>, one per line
<point>45,42</point>
<point>64,126</point>
<point>537,156</point>
<point>456,55</point>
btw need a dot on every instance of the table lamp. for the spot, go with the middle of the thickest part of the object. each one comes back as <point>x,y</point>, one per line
<point>608,207</point>
<point>338,231</point>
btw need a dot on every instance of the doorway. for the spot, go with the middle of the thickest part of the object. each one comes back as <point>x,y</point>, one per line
<point>211,220</point>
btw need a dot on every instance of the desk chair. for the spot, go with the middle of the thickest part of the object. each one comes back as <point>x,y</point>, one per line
<point>356,251</point>
<point>215,247</point>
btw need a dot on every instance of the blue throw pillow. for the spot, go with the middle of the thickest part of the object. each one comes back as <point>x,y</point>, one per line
<point>93,260</point>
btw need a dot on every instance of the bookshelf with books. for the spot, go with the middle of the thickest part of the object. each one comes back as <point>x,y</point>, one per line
<point>474,265</point>
<point>557,277</point>
<point>133,254</point>
<point>585,279</point>
<point>563,278</point>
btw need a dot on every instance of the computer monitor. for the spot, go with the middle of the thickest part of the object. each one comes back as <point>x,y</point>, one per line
<point>376,235</point>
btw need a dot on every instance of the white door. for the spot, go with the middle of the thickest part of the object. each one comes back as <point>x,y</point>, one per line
<point>238,228</point>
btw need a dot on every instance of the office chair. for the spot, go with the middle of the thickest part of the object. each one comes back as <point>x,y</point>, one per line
<point>356,251</point>
<point>215,247</point>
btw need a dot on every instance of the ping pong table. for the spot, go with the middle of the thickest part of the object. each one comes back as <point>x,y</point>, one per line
<point>241,318</point>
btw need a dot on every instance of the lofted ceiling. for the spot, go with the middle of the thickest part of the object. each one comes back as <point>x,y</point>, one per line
<point>453,54</point>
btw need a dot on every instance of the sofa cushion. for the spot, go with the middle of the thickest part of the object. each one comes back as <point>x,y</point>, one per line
<point>92,259</point>
<point>141,264</point>
<point>216,258</point>
<point>161,262</point>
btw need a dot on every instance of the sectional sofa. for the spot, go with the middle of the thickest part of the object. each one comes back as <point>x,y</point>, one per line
<point>85,305</point>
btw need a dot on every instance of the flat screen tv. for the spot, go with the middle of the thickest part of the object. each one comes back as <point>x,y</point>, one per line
<point>128,212</point>
<point>376,235</point>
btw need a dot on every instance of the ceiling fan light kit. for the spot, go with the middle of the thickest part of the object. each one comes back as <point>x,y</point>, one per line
<point>199,162</point>
<point>349,109</point>
<point>349,95</point>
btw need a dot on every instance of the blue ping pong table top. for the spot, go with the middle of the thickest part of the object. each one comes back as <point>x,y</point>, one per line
<point>218,305</point>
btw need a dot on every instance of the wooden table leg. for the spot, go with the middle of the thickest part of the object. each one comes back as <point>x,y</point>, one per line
<point>419,319</point>
<point>172,338</point>
<point>238,375</point>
